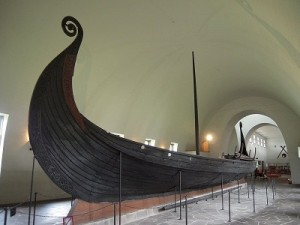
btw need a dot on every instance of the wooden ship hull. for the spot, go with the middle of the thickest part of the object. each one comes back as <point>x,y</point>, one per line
<point>96,166</point>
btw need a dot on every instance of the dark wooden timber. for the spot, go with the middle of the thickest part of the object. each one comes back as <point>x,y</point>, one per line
<point>83,159</point>
<point>196,108</point>
<point>243,150</point>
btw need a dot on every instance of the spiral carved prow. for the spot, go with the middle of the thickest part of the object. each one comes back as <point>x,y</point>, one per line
<point>71,26</point>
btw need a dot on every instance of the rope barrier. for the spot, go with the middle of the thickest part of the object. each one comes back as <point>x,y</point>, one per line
<point>131,207</point>
<point>258,187</point>
<point>15,206</point>
<point>44,216</point>
<point>52,196</point>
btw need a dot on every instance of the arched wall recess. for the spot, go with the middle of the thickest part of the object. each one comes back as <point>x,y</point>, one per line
<point>222,123</point>
<point>267,144</point>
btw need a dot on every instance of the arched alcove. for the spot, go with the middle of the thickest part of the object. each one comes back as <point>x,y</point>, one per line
<point>222,124</point>
<point>263,136</point>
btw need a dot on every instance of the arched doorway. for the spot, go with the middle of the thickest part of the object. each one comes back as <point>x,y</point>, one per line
<point>263,135</point>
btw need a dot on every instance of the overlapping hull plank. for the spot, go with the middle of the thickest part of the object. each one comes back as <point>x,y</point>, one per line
<point>84,160</point>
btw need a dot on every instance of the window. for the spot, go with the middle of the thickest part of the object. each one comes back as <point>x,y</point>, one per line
<point>3,123</point>
<point>150,141</point>
<point>117,134</point>
<point>173,146</point>
<point>258,140</point>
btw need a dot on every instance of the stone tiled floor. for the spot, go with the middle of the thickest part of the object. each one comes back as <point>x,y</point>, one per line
<point>46,214</point>
<point>283,209</point>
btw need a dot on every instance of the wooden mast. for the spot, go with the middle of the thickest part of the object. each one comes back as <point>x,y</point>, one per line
<point>196,108</point>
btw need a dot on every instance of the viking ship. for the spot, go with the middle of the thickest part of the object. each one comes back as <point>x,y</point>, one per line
<point>94,165</point>
<point>242,154</point>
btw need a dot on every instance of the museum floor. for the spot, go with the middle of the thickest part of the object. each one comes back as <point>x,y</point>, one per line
<point>283,209</point>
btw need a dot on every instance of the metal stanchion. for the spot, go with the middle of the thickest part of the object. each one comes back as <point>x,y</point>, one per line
<point>267,192</point>
<point>180,195</point>
<point>34,208</point>
<point>175,201</point>
<point>31,189</point>
<point>248,189</point>
<point>5,216</point>
<point>229,211</point>
<point>186,211</point>
<point>239,199</point>
<point>120,189</point>
<point>115,222</point>
<point>253,192</point>
<point>72,200</point>
<point>222,191</point>
<point>273,188</point>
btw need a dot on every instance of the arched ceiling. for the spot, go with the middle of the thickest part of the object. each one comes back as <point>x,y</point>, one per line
<point>242,48</point>
<point>271,133</point>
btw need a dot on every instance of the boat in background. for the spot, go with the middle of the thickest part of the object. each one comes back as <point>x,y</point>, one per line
<point>94,165</point>
<point>242,154</point>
